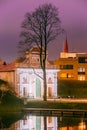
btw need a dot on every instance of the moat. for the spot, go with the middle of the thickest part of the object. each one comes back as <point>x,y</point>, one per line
<point>37,121</point>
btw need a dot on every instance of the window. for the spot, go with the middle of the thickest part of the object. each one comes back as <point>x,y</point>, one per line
<point>50,81</point>
<point>63,75</point>
<point>82,59</point>
<point>66,66</point>
<point>81,77</point>
<point>35,59</point>
<point>50,91</point>
<point>49,119</point>
<point>69,75</point>
<point>66,75</point>
<point>81,70</point>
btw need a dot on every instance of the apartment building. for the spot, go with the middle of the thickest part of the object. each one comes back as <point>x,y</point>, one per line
<point>72,65</point>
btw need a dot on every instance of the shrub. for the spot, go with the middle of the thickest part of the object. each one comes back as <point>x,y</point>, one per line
<point>72,88</point>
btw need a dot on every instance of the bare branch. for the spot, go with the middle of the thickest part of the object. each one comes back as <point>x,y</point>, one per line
<point>40,27</point>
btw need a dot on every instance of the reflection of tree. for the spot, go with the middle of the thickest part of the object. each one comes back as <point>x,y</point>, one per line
<point>45,122</point>
<point>7,120</point>
<point>1,124</point>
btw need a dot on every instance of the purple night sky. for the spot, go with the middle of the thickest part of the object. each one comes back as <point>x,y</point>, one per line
<point>72,13</point>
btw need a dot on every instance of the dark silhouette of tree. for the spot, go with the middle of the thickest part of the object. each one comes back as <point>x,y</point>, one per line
<point>4,88</point>
<point>40,27</point>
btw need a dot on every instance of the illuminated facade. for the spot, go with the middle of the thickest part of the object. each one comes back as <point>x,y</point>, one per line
<point>29,77</point>
<point>30,83</point>
<point>73,66</point>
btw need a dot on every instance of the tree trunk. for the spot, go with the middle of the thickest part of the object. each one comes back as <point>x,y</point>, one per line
<point>45,84</point>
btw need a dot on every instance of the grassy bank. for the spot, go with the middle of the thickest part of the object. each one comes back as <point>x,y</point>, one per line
<point>72,88</point>
<point>56,105</point>
<point>11,103</point>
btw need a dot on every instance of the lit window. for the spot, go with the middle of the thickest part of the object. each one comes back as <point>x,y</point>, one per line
<point>70,75</point>
<point>81,77</point>
<point>63,75</point>
<point>66,75</point>
<point>81,70</point>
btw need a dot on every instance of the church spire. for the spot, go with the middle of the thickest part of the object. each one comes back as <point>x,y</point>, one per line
<point>66,46</point>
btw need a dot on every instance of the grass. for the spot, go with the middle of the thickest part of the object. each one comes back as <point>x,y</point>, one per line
<point>56,105</point>
<point>11,103</point>
<point>78,89</point>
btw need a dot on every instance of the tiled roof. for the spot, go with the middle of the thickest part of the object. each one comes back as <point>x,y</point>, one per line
<point>7,67</point>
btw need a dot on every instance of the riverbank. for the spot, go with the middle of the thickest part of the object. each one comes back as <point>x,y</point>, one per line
<point>59,104</point>
<point>11,103</point>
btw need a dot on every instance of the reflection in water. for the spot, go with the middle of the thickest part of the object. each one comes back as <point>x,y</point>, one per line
<point>37,122</point>
<point>9,121</point>
<point>82,125</point>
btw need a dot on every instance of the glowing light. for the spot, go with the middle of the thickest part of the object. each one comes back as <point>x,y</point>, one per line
<point>63,75</point>
<point>81,77</point>
<point>82,126</point>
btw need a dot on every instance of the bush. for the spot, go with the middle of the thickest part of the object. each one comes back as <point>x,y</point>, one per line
<point>72,88</point>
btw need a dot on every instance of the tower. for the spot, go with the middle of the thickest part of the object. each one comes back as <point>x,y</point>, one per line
<point>66,46</point>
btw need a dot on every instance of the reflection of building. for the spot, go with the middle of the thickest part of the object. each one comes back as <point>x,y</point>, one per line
<point>27,76</point>
<point>37,123</point>
<point>73,66</point>
<point>82,125</point>
<point>34,122</point>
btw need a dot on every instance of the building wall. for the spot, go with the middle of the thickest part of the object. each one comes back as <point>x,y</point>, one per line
<point>27,76</point>
<point>71,68</point>
<point>8,76</point>
<point>29,82</point>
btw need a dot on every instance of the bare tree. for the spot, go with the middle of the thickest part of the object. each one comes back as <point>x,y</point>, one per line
<point>40,27</point>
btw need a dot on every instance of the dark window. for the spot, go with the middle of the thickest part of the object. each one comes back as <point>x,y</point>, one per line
<point>66,66</point>
<point>81,72</point>
<point>82,59</point>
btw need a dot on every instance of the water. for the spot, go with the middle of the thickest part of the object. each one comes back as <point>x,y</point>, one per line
<point>35,121</point>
